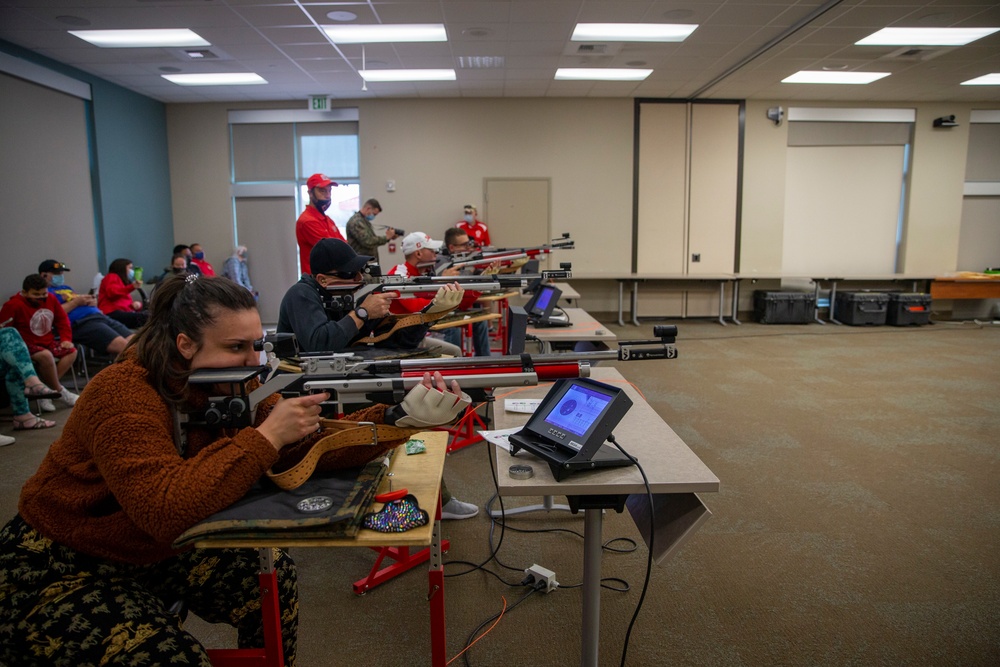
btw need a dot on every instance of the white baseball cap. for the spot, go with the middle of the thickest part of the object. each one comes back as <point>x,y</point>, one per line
<point>414,241</point>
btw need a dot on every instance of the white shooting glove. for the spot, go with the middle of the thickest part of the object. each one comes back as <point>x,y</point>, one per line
<point>444,301</point>
<point>431,407</point>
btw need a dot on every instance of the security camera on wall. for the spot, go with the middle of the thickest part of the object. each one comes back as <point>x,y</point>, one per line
<point>945,121</point>
<point>776,114</point>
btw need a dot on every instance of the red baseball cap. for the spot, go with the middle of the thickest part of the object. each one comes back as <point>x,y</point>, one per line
<point>319,181</point>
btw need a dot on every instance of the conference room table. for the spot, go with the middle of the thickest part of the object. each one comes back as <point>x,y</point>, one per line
<point>675,473</point>
<point>584,328</point>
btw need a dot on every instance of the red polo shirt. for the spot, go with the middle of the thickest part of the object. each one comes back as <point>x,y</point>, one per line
<point>312,226</point>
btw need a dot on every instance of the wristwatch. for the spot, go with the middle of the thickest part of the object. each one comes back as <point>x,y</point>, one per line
<point>362,313</point>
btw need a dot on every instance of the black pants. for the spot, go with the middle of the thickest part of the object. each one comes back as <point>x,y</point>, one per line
<point>133,319</point>
<point>61,607</point>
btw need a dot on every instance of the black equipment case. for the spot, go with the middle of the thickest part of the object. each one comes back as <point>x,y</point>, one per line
<point>784,307</point>
<point>861,308</point>
<point>907,308</point>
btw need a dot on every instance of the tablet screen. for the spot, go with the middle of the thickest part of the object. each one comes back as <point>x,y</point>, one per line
<point>578,409</point>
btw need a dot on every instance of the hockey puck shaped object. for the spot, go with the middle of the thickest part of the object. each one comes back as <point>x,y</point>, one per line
<point>520,471</point>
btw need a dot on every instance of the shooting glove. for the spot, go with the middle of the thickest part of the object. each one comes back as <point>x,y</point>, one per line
<point>425,407</point>
<point>444,301</point>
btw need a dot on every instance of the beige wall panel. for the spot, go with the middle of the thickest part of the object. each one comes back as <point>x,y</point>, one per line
<point>983,160</point>
<point>662,187</point>
<point>979,241</point>
<point>934,216</point>
<point>198,142</point>
<point>763,213</point>
<point>842,209</point>
<point>714,166</point>
<point>439,151</point>
<point>48,211</point>
<point>276,254</point>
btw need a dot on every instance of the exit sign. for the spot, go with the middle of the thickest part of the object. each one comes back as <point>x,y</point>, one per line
<point>319,103</point>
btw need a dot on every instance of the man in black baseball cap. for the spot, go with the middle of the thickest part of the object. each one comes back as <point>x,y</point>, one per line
<point>308,311</point>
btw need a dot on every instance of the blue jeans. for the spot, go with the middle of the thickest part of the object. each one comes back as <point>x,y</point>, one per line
<point>480,338</point>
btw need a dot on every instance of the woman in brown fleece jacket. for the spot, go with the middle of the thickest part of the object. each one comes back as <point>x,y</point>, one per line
<point>86,568</point>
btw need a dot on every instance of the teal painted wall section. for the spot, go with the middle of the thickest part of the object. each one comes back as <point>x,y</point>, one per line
<point>130,170</point>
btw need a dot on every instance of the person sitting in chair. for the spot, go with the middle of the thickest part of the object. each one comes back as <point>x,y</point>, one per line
<point>115,295</point>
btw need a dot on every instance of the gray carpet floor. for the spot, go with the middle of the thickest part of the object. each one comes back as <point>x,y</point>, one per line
<point>858,521</point>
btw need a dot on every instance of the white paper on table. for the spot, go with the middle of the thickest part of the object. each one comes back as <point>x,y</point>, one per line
<point>525,405</point>
<point>500,438</point>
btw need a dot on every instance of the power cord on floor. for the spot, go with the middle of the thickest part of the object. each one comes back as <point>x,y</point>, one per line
<point>649,557</point>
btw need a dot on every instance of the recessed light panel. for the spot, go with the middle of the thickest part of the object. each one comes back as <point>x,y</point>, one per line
<point>368,34</point>
<point>984,80</point>
<point>215,79</point>
<point>407,74</point>
<point>814,76</point>
<point>632,32</point>
<point>925,36</point>
<point>130,39</point>
<point>601,74</point>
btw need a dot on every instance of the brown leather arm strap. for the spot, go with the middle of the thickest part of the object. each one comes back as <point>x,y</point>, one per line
<point>413,319</point>
<point>340,434</point>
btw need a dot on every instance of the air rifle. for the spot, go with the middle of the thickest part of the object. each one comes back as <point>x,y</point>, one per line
<point>345,296</point>
<point>352,380</point>
<point>489,255</point>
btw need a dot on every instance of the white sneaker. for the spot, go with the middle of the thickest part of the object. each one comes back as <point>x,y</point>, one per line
<point>46,405</point>
<point>68,397</point>
<point>456,509</point>
<point>6,440</point>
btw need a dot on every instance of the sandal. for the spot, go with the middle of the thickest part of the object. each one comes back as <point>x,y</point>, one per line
<point>40,391</point>
<point>22,424</point>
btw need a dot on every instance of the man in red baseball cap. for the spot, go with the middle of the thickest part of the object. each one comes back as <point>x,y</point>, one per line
<point>314,224</point>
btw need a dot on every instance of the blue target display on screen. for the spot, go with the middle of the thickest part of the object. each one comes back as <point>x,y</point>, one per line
<point>577,410</point>
<point>542,302</point>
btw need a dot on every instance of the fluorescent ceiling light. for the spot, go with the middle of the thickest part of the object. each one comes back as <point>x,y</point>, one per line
<point>814,76</point>
<point>407,74</point>
<point>215,79</point>
<point>127,39</point>
<point>632,32</point>
<point>984,80</point>
<point>367,34</point>
<point>601,74</point>
<point>925,36</point>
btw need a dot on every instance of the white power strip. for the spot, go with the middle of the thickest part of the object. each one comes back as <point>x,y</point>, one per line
<point>526,405</point>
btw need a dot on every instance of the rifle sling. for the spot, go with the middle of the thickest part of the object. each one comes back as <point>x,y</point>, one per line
<point>414,319</point>
<point>340,434</point>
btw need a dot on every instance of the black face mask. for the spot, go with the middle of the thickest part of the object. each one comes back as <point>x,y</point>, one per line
<point>178,272</point>
<point>323,204</point>
<point>37,303</point>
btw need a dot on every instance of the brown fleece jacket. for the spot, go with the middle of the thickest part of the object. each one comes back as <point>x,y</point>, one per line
<point>113,484</point>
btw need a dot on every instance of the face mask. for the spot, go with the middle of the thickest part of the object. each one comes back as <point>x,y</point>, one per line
<point>58,279</point>
<point>178,271</point>
<point>37,303</point>
<point>199,255</point>
<point>370,217</point>
<point>130,274</point>
<point>323,204</point>
<point>469,217</point>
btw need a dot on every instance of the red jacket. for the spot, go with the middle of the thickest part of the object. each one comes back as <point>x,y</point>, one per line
<point>37,325</point>
<point>312,226</point>
<point>114,294</point>
<point>206,268</point>
<point>476,230</point>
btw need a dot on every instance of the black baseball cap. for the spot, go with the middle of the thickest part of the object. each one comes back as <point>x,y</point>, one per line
<point>334,257</point>
<point>52,266</point>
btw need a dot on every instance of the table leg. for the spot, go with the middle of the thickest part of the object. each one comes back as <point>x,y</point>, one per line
<point>435,594</point>
<point>722,301</point>
<point>833,302</point>
<point>271,655</point>
<point>736,301</point>
<point>816,301</point>
<point>635,302</point>
<point>621,289</point>
<point>590,641</point>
